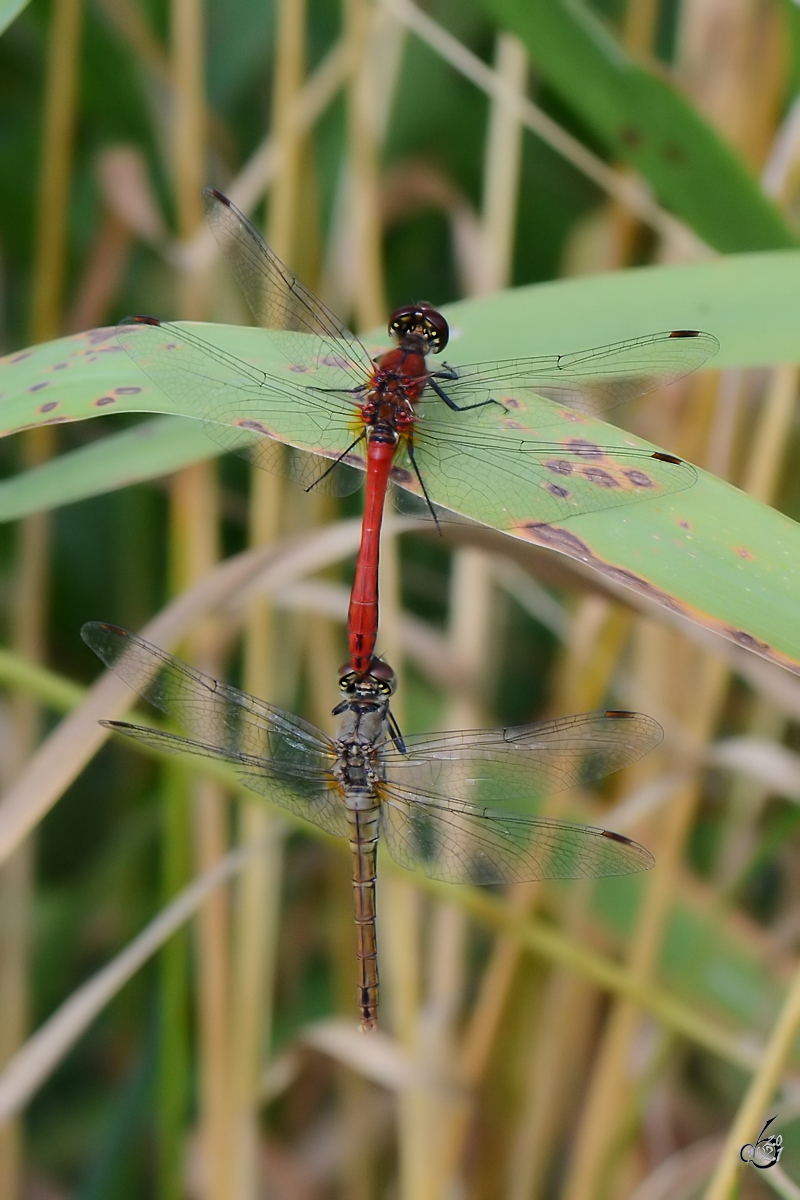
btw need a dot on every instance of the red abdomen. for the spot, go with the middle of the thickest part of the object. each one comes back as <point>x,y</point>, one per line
<point>362,619</point>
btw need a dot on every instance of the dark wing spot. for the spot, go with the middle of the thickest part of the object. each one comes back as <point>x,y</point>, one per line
<point>559,466</point>
<point>248,423</point>
<point>601,478</point>
<point>103,401</point>
<point>37,387</point>
<point>591,449</point>
<point>555,490</point>
<point>638,478</point>
<point>127,391</point>
<point>51,404</point>
<point>616,837</point>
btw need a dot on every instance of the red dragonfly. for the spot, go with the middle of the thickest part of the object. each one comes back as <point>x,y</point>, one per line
<point>464,438</point>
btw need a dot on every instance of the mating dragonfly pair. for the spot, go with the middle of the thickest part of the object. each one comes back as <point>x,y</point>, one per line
<point>455,805</point>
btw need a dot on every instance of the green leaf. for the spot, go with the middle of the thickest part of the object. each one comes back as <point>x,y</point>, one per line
<point>710,552</point>
<point>643,120</point>
<point>9,11</point>
<point>151,449</point>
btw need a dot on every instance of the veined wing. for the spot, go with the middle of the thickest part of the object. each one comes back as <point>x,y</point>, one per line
<point>590,381</point>
<point>229,721</point>
<point>522,762</point>
<point>460,842</point>
<point>278,300</point>
<point>244,408</point>
<point>315,799</point>
<point>514,478</point>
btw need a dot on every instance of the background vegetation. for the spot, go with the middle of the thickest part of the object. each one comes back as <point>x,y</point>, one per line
<point>576,1042</point>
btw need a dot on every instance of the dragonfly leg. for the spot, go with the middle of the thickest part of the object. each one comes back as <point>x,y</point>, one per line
<point>418,473</point>
<point>442,394</point>
<point>395,734</point>
<point>336,461</point>
<point>354,391</point>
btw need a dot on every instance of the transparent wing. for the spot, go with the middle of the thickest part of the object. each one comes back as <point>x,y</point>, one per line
<point>230,721</point>
<point>315,800</point>
<point>466,843</point>
<point>484,467</point>
<point>277,299</point>
<point>590,381</point>
<point>245,408</point>
<point>523,762</point>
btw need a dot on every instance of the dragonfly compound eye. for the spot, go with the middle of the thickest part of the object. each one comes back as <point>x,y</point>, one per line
<point>347,677</point>
<point>383,675</point>
<point>421,321</point>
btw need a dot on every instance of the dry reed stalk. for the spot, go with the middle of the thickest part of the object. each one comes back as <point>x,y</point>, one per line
<point>446,1117</point>
<point>29,603</point>
<point>32,570</point>
<point>732,59</point>
<point>290,55</point>
<point>400,912</point>
<point>362,142</point>
<point>188,144</point>
<point>698,709</point>
<point>639,26</point>
<point>257,902</point>
<point>52,213</point>
<point>194,522</point>
<point>42,1053</point>
<point>471,636</point>
<point>556,1061</point>
<point>194,533</point>
<point>16,898</point>
<point>556,1055</point>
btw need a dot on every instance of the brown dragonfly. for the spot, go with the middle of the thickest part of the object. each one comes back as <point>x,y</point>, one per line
<point>455,805</point>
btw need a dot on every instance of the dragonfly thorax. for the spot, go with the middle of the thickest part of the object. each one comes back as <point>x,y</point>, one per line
<point>363,733</point>
<point>398,381</point>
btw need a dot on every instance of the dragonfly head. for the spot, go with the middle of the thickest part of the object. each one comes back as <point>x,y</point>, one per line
<point>422,323</point>
<point>379,680</point>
